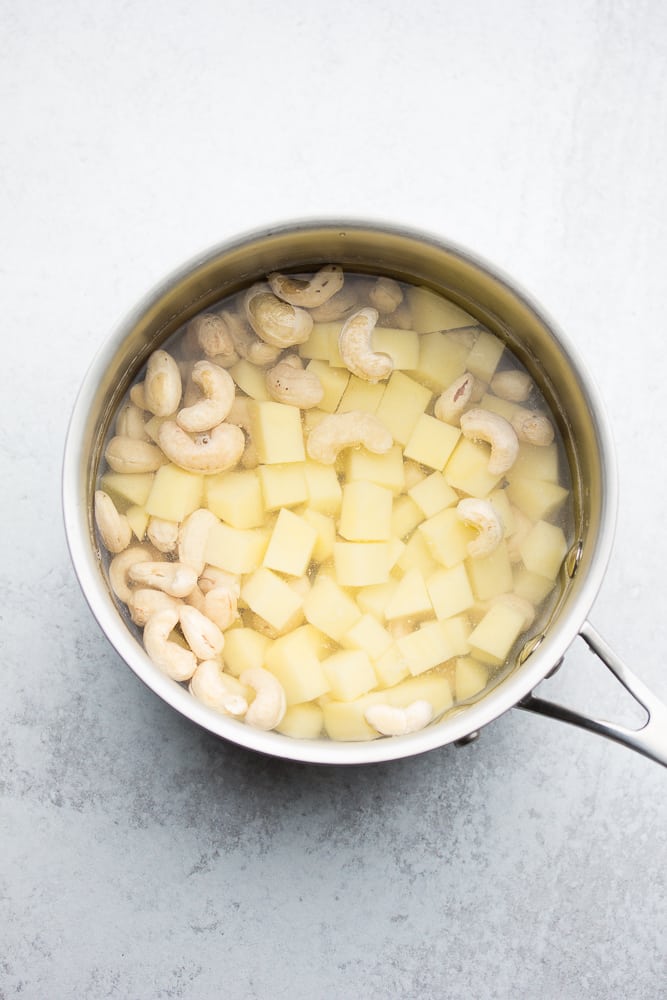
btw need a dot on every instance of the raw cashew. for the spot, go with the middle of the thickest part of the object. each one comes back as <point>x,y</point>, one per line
<point>138,396</point>
<point>145,601</point>
<point>201,634</point>
<point>298,387</point>
<point>356,350</point>
<point>114,528</point>
<point>532,427</point>
<point>211,451</point>
<point>162,384</point>
<point>172,658</point>
<point>451,403</point>
<point>346,430</point>
<point>310,292</point>
<point>130,423</point>
<point>401,318</point>
<point>482,515</point>
<point>120,565</point>
<point>212,578</point>
<point>163,534</point>
<point>484,425</point>
<point>392,721</point>
<point>274,321</point>
<point>246,343</point>
<point>269,706</point>
<point>218,389</point>
<point>192,538</point>
<point>386,295</point>
<point>212,335</point>
<point>126,454</point>
<point>173,578</point>
<point>339,306</point>
<point>513,385</point>
<point>218,690</point>
<point>221,606</point>
<point>196,599</point>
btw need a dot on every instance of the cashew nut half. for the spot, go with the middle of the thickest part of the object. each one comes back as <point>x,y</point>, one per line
<point>172,658</point>
<point>145,601</point>
<point>484,425</point>
<point>269,705</point>
<point>308,292</point>
<point>356,350</point>
<point>192,538</point>
<point>212,335</point>
<point>218,388</point>
<point>339,306</point>
<point>163,534</point>
<point>211,451</point>
<point>513,385</point>
<point>114,528</point>
<point>221,606</point>
<point>246,343</point>
<point>532,427</point>
<point>173,578</point>
<point>294,385</point>
<point>347,430</point>
<point>218,690</point>
<point>392,721</point>
<point>126,454</point>
<point>201,634</point>
<point>120,565</point>
<point>274,321</point>
<point>386,295</point>
<point>482,515</point>
<point>130,423</point>
<point>162,384</point>
<point>451,403</point>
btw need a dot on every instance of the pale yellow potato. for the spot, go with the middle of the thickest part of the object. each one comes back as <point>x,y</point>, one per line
<point>405,516</point>
<point>543,549</point>
<point>359,564</point>
<point>468,469</point>
<point>330,608</point>
<point>244,649</point>
<point>302,722</point>
<point>236,497</point>
<point>539,500</point>
<point>431,442</point>
<point>492,640</point>
<point>447,537</point>
<point>490,575</point>
<point>349,673</point>
<point>361,395</point>
<point>384,470</point>
<point>403,402</point>
<point>333,381</point>
<point>127,487</point>
<point>138,520</point>
<point>430,311</point>
<point>441,361</point>
<point>295,660</point>
<point>174,493</point>
<point>368,635</point>
<point>450,591</point>
<point>470,677</point>
<point>291,544</point>
<point>484,356</point>
<point>365,514</point>
<point>410,599</point>
<point>276,431</point>
<point>236,550</point>
<point>283,485</point>
<point>432,494</point>
<point>251,379</point>
<point>271,598</point>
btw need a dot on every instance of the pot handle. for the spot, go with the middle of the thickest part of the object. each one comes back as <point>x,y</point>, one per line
<point>649,740</point>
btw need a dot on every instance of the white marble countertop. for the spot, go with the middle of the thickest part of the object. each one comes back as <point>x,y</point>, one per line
<point>142,858</point>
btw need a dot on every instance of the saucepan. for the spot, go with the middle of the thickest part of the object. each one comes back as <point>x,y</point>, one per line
<point>494,300</point>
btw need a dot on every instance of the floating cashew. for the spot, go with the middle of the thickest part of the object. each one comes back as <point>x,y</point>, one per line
<point>221,606</point>
<point>212,578</point>
<point>355,345</point>
<point>532,427</point>
<point>126,454</point>
<point>172,658</point>
<point>515,386</point>
<point>246,343</point>
<point>212,335</point>
<point>192,538</point>
<point>274,321</point>
<point>295,386</point>
<point>145,601</point>
<point>218,690</point>
<point>196,599</point>
<point>218,388</point>
<point>201,634</point>
<point>120,565</point>
<point>163,534</point>
<point>162,384</point>
<point>309,292</point>
<point>346,430</point>
<point>451,403</point>
<point>130,423</point>
<point>173,578</point>
<point>385,295</point>
<point>269,706</point>
<point>138,396</point>
<point>392,721</point>
<point>483,425</point>
<point>114,528</point>
<point>212,451</point>
<point>339,306</point>
<point>401,318</point>
<point>481,514</point>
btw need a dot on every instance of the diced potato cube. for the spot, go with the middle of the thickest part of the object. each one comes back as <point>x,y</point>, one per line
<point>450,591</point>
<point>333,380</point>
<point>294,659</point>
<point>236,550</point>
<point>350,674</point>
<point>402,404</point>
<point>329,608</point>
<point>457,631</point>
<point>245,648</point>
<point>402,346</point>
<point>503,407</point>
<point>391,667</point>
<point>470,677</point>
<point>251,379</point>
<point>468,469</point>
<point>536,462</point>
<point>325,532</point>
<point>433,494</point>
<point>500,501</point>
<point>271,598</point>
<point>359,564</point>
<point>410,599</point>
<point>283,485</point>
<point>153,425</point>
<point>302,722</point>
<point>431,442</point>
<point>276,431</point>
<point>405,516</point>
<point>384,470</point>
<point>538,499</point>
<point>441,360</point>
<point>373,600</point>
<point>532,586</point>
<point>317,345</point>
<point>174,494</point>
<point>361,395</point>
<point>312,417</point>
<point>345,720</point>
<point>138,520</point>
<point>367,634</point>
<point>430,311</point>
<point>291,544</point>
<point>425,648</point>
<point>490,575</point>
<point>324,492</point>
<point>485,355</point>
<point>417,554</point>
<point>447,537</point>
<point>236,497</point>
<point>127,487</point>
<point>365,514</point>
<point>396,550</point>
<point>543,549</point>
<point>492,640</point>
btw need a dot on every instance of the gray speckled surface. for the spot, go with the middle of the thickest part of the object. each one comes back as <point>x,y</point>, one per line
<point>143,858</point>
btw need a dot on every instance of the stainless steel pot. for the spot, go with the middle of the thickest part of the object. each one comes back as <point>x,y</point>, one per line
<point>506,310</point>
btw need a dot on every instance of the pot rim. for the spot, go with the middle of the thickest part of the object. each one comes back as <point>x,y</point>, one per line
<point>459,725</point>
